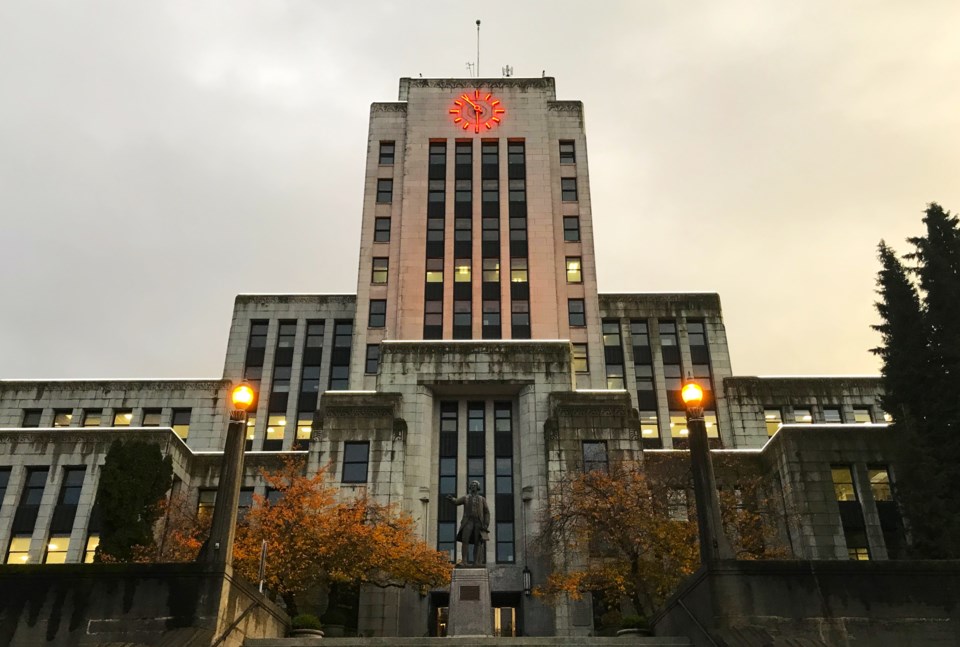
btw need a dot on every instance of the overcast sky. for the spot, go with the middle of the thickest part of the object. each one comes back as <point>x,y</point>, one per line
<point>157,158</point>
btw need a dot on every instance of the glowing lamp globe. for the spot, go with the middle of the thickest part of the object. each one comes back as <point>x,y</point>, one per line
<point>692,394</point>
<point>242,396</point>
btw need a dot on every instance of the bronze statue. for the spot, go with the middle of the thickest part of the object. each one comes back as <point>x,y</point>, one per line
<point>475,525</point>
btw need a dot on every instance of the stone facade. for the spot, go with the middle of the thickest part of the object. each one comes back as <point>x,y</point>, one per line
<point>408,420</point>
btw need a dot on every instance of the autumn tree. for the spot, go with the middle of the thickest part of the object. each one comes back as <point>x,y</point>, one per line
<point>616,535</point>
<point>919,309</point>
<point>133,482</point>
<point>314,539</point>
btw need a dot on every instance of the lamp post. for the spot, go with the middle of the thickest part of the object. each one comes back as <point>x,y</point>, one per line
<point>713,542</point>
<point>219,548</point>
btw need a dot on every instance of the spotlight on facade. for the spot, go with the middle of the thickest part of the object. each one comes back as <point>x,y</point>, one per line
<point>242,396</point>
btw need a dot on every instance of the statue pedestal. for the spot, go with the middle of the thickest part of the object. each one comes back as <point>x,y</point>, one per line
<point>470,611</point>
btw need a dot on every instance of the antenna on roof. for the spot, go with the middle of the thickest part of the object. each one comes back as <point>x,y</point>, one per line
<point>478,49</point>
<point>507,71</point>
<point>469,68</point>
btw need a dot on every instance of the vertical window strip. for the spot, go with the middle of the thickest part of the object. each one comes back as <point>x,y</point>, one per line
<point>503,487</point>
<point>447,512</point>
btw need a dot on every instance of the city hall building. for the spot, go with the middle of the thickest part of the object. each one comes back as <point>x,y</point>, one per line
<point>477,347</point>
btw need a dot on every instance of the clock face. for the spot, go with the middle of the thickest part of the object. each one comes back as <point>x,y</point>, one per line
<point>477,111</point>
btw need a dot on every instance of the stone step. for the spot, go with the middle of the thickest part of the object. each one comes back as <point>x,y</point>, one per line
<point>553,641</point>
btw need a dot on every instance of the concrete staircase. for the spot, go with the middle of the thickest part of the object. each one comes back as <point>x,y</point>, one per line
<point>553,641</point>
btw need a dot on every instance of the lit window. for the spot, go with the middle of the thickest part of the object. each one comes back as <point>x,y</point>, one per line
<point>802,416</point>
<point>19,551</point>
<point>491,270</point>
<point>574,274</point>
<point>276,430</point>
<point>206,499</point>
<point>56,552</point>
<point>90,551</point>
<point>31,417</point>
<point>387,150</point>
<point>434,270</point>
<point>461,270</point>
<point>378,274</point>
<point>576,312</point>
<point>580,363</point>
<point>518,270</point>
<point>831,415</point>
<point>862,415</point>
<point>678,424</point>
<point>614,376</point>
<point>568,189</point>
<point>373,359</point>
<point>381,230</point>
<point>649,427</point>
<point>181,422</point>
<point>880,483</point>
<point>122,417</point>
<point>843,483</point>
<point>92,417</point>
<point>304,431</point>
<point>773,419</point>
<point>857,548</point>
<point>251,430</point>
<point>384,191</point>
<point>595,456</point>
<point>571,229</point>
<point>567,152</point>
<point>378,314</point>
<point>886,417</point>
<point>151,418</point>
<point>62,417</point>
<point>355,459</point>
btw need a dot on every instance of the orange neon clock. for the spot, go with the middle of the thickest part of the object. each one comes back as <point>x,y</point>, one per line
<point>479,111</point>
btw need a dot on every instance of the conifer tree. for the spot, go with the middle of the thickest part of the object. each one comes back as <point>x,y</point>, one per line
<point>920,330</point>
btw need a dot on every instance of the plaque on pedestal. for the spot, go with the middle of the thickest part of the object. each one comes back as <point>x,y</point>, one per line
<point>470,612</point>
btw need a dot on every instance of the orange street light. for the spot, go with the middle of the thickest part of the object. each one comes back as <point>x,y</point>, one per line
<point>692,394</point>
<point>242,396</point>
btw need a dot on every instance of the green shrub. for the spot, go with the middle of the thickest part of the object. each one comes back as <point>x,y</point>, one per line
<point>633,622</point>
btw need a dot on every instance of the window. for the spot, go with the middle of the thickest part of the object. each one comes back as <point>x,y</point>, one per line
<point>92,417</point>
<point>491,229</point>
<point>355,459</point>
<point>518,228</point>
<point>668,333</point>
<point>433,313</point>
<point>461,270</point>
<point>258,334</point>
<point>304,431</point>
<point>435,230</point>
<point>491,270</point>
<point>880,483</point>
<point>90,551</point>
<point>802,416</point>
<point>378,313</point>
<point>181,422</point>
<point>381,230</point>
<point>649,427</point>
<point>491,313</point>
<point>515,153</point>
<point>378,275</point>
<point>571,229</point>
<point>639,333</point>
<point>4,481</point>
<point>568,189</point>
<point>517,190</point>
<point>314,334</point>
<point>843,483</point>
<point>151,418</point>
<point>671,377</point>
<point>435,190</point>
<point>251,431</point>
<point>434,270</point>
<point>62,417</point>
<point>857,548</point>
<point>386,152</point>
<point>696,334</point>
<point>503,473</point>
<point>463,190</point>
<point>281,379</point>
<point>384,191</point>
<point>832,415</point>
<point>677,504</point>
<point>574,273</point>
<point>276,430</point>
<point>567,152</point>
<point>33,488</point>
<point>287,334</point>
<point>438,153</point>
<point>520,312</point>
<point>31,417</point>
<point>595,456</point>
<point>373,359</point>
<point>19,551</point>
<point>447,512</point>
<point>122,417</point>
<point>206,499</point>
<point>862,415</point>
<point>576,313</point>
<point>490,190</point>
<point>644,375</point>
<point>773,419</point>
<point>580,363</point>
<point>518,270</point>
<point>462,313</point>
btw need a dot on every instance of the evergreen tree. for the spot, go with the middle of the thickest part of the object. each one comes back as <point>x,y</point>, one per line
<point>920,330</point>
<point>133,481</point>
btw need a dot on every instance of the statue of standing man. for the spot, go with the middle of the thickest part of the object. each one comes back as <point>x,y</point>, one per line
<point>475,525</point>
